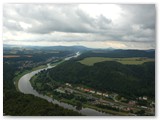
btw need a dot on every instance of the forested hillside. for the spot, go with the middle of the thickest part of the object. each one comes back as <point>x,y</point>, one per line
<point>19,104</point>
<point>130,80</point>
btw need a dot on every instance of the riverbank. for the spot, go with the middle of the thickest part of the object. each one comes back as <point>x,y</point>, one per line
<point>19,75</point>
<point>87,105</point>
<point>72,101</point>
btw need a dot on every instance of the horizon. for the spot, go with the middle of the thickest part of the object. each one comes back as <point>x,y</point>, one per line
<point>21,46</point>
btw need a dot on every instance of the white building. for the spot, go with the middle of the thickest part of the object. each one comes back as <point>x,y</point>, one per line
<point>105,94</point>
<point>99,93</point>
<point>92,91</point>
<point>145,98</point>
<point>69,85</point>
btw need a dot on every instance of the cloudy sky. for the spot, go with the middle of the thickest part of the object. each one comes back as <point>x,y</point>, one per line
<point>90,25</point>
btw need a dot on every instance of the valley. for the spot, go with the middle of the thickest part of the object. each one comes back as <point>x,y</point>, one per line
<point>74,82</point>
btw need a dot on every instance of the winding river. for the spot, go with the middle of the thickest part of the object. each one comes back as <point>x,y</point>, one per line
<point>25,87</point>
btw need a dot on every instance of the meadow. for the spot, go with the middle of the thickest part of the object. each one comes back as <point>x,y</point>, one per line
<point>130,61</point>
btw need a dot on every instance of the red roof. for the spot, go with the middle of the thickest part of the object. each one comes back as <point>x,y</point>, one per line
<point>87,90</point>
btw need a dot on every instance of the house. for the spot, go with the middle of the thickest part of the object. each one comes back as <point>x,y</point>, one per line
<point>144,98</point>
<point>144,107</point>
<point>131,102</point>
<point>60,90</point>
<point>87,90</point>
<point>68,84</point>
<point>99,93</point>
<point>105,94</point>
<point>92,91</point>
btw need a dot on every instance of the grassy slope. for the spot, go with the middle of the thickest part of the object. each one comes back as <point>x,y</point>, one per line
<point>93,60</point>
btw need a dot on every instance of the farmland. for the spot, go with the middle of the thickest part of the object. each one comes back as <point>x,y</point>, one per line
<point>131,61</point>
<point>16,56</point>
<point>11,56</point>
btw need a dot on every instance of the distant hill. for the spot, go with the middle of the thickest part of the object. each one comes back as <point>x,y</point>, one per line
<point>68,48</point>
<point>118,53</point>
<point>58,48</point>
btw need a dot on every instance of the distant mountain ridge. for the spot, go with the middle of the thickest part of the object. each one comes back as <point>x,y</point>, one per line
<point>70,48</point>
<point>59,47</point>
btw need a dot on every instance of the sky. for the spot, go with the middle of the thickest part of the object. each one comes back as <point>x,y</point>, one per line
<point>121,26</point>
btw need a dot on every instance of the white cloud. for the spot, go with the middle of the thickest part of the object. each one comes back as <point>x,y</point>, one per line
<point>25,26</point>
<point>104,25</point>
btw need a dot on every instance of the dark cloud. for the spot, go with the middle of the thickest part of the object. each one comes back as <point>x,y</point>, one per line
<point>137,23</point>
<point>144,14</point>
<point>63,18</point>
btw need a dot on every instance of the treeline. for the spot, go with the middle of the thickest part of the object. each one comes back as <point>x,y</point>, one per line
<point>37,57</point>
<point>19,104</point>
<point>128,80</point>
<point>117,53</point>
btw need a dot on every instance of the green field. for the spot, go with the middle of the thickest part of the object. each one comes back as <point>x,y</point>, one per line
<point>131,61</point>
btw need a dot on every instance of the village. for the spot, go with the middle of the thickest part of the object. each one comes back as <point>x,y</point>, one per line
<point>110,100</point>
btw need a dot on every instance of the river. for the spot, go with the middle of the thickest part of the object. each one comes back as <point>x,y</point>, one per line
<point>25,87</point>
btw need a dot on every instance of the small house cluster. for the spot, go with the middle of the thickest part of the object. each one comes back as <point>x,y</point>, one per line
<point>92,91</point>
<point>142,98</point>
